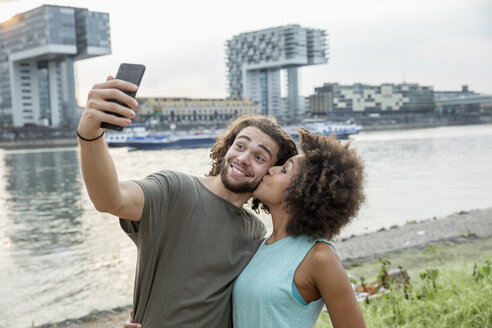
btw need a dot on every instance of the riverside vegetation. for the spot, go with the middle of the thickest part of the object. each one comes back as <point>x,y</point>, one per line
<point>446,286</point>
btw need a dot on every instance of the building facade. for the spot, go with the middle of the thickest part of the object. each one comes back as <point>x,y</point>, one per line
<point>38,49</point>
<point>333,97</point>
<point>194,110</point>
<point>255,59</point>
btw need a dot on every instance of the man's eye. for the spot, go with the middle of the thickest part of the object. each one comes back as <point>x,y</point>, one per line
<point>260,158</point>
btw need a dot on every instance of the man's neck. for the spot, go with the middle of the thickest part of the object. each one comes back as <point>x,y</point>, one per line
<point>215,185</point>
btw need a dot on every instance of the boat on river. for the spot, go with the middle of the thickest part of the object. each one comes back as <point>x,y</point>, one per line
<point>176,140</point>
<point>340,130</point>
<point>138,139</point>
<point>120,138</point>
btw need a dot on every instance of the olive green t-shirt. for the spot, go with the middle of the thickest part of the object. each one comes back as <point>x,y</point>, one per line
<point>191,245</point>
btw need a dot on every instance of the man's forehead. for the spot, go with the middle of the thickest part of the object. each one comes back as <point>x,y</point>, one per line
<point>255,135</point>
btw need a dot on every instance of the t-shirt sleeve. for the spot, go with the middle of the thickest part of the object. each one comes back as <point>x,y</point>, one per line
<point>158,189</point>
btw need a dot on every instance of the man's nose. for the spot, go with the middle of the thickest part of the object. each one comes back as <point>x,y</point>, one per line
<point>244,158</point>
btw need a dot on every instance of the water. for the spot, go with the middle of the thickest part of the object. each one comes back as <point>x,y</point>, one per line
<point>62,259</point>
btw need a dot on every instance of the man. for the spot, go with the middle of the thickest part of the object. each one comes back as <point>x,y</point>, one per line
<point>192,234</point>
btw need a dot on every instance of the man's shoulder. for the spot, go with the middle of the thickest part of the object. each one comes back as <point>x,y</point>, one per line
<point>250,214</point>
<point>165,181</point>
<point>170,176</point>
<point>169,173</point>
<point>255,222</point>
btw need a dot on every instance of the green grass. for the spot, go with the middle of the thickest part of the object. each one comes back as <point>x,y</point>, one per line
<point>461,297</point>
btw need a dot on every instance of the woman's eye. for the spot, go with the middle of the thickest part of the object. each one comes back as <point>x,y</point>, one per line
<point>239,146</point>
<point>283,170</point>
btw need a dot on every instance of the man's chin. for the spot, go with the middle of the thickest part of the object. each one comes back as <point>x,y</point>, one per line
<point>241,187</point>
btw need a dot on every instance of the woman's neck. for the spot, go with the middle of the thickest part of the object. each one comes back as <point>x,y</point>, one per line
<point>280,219</point>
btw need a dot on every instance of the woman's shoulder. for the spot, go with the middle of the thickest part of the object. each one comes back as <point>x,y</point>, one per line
<point>325,266</point>
<point>323,253</point>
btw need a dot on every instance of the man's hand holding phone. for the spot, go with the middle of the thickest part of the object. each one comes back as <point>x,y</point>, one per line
<point>110,104</point>
<point>97,105</point>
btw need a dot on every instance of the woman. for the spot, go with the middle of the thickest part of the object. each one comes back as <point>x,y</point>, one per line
<point>296,270</point>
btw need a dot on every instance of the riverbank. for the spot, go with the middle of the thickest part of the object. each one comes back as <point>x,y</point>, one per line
<point>462,227</point>
<point>454,229</point>
<point>447,286</point>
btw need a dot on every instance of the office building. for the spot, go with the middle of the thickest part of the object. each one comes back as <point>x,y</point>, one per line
<point>255,59</point>
<point>38,49</point>
<point>333,97</point>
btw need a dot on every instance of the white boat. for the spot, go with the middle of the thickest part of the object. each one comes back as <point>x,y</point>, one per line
<point>175,140</point>
<point>120,138</point>
<point>341,130</point>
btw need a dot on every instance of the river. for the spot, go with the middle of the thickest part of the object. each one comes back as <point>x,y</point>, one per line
<point>60,258</point>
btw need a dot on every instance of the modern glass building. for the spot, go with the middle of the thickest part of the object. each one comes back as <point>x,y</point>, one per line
<point>254,61</point>
<point>38,49</point>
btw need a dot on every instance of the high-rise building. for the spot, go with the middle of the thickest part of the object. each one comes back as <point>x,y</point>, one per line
<point>38,49</point>
<point>254,61</point>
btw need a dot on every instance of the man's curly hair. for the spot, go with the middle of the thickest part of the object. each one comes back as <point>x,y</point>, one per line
<point>327,192</point>
<point>268,125</point>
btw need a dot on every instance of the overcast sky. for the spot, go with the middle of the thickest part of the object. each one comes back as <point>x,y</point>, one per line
<point>440,43</point>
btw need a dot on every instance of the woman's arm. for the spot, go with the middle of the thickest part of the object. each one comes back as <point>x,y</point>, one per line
<point>334,286</point>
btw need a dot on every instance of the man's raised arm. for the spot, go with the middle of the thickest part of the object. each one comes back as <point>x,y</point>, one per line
<point>124,199</point>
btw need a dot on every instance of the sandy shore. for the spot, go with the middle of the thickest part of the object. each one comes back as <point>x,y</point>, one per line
<point>457,228</point>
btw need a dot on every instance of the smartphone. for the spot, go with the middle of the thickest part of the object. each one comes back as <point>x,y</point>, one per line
<point>132,73</point>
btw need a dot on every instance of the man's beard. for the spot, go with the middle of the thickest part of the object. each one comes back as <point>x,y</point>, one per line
<point>241,188</point>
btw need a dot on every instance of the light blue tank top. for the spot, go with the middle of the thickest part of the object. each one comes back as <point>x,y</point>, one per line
<point>264,294</point>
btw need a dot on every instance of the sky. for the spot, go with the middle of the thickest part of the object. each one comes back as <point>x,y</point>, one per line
<point>440,43</point>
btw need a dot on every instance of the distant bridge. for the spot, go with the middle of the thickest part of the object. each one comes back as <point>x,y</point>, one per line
<point>464,100</point>
<point>464,104</point>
